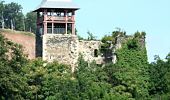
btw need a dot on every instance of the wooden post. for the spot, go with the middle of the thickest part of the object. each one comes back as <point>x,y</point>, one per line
<point>37,29</point>
<point>38,23</point>
<point>73,24</point>
<point>45,27</point>
<point>66,18</point>
<point>73,16</point>
<point>52,21</point>
<point>52,27</point>
<point>73,29</point>
<point>45,22</point>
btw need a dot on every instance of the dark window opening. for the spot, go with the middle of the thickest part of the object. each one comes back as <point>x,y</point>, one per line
<point>59,28</point>
<point>69,28</point>
<point>49,28</point>
<point>95,53</point>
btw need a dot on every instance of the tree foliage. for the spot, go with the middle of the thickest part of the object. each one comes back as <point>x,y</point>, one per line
<point>12,83</point>
<point>30,21</point>
<point>12,17</point>
<point>91,36</point>
<point>109,43</point>
<point>159,72</point>
<point>133,69</point>
<point>130,78</point>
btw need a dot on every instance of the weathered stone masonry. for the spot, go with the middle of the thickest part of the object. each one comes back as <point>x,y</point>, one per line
<point>61,48</point>
<point>66,49</point>
<point>56,39</point>
<point>90,51</point>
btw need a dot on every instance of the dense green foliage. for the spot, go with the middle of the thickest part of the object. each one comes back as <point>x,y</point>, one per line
<point>133,69</point>
<point>109,42</point>
<point>30,22</point>
<point>12,82</point>
<point>159,72</point>
<point>12,17</point>
<point>131,78</point>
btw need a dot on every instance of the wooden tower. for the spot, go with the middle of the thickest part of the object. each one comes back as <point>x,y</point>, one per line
<point>56,17</point>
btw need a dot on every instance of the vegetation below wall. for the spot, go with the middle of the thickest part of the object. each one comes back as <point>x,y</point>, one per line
<point>131,78</point>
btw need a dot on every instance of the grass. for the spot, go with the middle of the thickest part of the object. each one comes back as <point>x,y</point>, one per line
<point>16,32</point>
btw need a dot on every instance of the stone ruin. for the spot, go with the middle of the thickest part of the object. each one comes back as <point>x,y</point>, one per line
<point>56,39</point>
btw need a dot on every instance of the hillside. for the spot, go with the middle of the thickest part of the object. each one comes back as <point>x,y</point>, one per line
<point>26,39</point>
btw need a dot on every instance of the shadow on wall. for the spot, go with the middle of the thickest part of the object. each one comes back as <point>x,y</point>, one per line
<point>38,48</point>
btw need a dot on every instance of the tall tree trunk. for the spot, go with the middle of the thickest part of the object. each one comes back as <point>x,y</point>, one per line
<point>30,29</point>
<point>3,23</point>
<point>12,25</point>
<point>24,23</point>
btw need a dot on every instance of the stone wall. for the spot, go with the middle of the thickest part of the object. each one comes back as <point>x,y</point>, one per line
<point>90,51</point>
<point>61,48</point>
<point>27,40</point>
<point>66,49</point>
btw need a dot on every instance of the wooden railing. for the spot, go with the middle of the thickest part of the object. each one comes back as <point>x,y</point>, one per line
<point>56,18</point>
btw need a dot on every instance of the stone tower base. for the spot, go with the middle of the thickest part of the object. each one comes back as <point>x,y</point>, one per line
<point>61,48</point>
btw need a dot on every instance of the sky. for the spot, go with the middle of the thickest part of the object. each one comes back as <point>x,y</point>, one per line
<point>101,17</point>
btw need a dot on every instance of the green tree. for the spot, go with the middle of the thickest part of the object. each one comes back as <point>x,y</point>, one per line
<point>59,83</point>
<point>159,72</point>
<point>34,73</point>
<point>92,80</point>
<point>12,84</point>
<point>91,36</point>
<point>131,71</point>
<point>109,42</point>
<point>31,19</point>
<point>12,15</point>
<point>20,22</point>
<point>2,14</point>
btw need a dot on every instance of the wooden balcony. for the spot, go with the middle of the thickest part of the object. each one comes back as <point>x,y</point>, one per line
<point>69,19</point>
<point>59,19</point>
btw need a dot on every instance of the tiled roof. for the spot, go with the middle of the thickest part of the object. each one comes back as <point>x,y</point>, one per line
<point>65,4</point>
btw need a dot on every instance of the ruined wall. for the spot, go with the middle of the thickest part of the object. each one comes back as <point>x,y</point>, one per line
<point>61,48</point>
<point>66,49</point>
<point>90,51</point>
